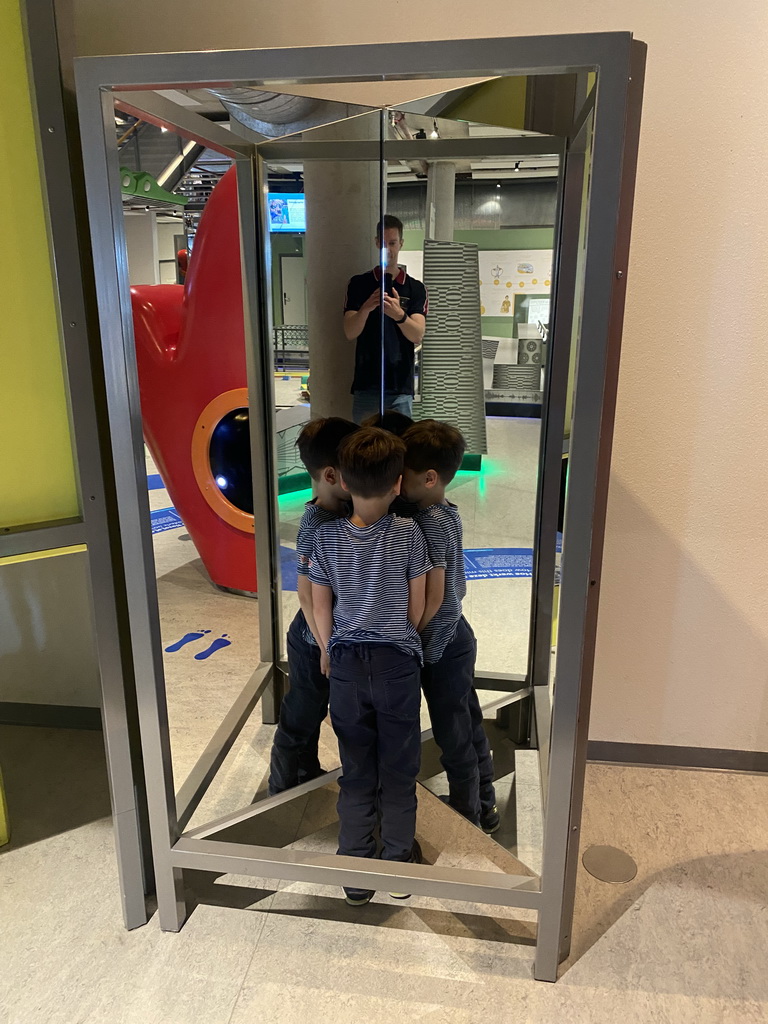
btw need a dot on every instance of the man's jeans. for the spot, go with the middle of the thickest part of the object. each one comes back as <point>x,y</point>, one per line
<point>368,403</point>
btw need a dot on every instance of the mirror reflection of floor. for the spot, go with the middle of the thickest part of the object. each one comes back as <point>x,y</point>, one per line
<point>310,823</point>
<point>497,511</point>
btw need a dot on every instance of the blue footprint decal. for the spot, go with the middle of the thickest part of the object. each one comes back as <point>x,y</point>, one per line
<point>217,645</point>
<point>188,638</point>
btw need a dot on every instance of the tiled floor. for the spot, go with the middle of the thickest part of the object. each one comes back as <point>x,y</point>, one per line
<point>685,942</point>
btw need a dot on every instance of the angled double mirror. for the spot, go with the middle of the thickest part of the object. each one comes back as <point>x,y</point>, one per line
<point>408,261</point>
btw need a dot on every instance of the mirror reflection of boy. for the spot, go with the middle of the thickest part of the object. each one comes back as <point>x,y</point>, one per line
<point>294,757</point>
<point>395,422</point>
<point>434,452</point>
<point>368,576</point>
<point>398,319</point>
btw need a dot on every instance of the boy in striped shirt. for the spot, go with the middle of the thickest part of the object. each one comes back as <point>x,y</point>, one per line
<point>368,576</point>
<point>294,749</point>
<point>433,455</point>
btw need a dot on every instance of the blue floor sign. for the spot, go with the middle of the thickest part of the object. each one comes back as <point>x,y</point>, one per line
<point>479,563</point>
<point>165,519</point>
<point>497,563</point>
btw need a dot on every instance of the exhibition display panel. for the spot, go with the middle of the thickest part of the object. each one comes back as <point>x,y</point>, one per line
<point>330,173</point>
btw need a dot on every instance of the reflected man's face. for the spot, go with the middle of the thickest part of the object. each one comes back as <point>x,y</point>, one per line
<point>393,243</point>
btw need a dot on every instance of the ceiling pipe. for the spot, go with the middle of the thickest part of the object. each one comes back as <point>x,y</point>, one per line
<point>274,114</point>
<point>178,167</point>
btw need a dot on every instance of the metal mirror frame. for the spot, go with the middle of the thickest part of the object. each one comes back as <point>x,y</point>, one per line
<point>619,62</point>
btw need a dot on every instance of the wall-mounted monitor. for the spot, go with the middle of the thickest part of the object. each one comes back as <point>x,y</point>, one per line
<point>287,211</point>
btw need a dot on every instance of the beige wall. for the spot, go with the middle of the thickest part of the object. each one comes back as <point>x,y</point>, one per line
<point>682,654</point>
<point>47,651</point>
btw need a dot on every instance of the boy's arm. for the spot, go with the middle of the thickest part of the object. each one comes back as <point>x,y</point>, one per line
<point>435,593</point>
<point>416,598</point>
<point>322,604</point>
<point>304,588</point>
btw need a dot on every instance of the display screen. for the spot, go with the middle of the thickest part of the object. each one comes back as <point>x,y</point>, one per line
<point>287,211</point>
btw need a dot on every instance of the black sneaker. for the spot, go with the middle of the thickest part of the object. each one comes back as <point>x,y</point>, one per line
<point>416,858</point>
<point>490,820</point>
<point>358,897</point>
<point>447,801</point>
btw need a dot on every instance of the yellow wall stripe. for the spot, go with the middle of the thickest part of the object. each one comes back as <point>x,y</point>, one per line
<point>31,556</point>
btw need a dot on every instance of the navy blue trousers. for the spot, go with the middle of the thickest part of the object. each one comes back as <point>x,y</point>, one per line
<point>457,724</point>
<point>375,700</point>
<point>303,709</point>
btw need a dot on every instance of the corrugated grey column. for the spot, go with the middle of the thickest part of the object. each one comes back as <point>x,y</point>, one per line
<point>342,199</point>
<point>452,355</point>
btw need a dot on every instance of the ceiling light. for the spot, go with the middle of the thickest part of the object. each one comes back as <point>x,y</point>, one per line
<point>517,166</point>
<point>498,184</point>
<point>434,134</point>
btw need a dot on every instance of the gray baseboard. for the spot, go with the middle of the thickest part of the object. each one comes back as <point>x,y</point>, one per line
<point>663,756</point>
<point>50,716</point>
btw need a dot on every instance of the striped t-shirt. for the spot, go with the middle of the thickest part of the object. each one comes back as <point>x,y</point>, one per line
<point>441,525</point>
<point>368,568</point>
<point>314,516</point>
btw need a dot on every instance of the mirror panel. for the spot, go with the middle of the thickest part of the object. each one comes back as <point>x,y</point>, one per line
<point>182,231</point>
<point>477,204</point>
<point>320,200</point>
<point>479,230</point>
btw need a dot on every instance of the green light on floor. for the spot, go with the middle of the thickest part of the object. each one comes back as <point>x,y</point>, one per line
<point>292,482</point>
<point>492,467</point>
<point>294,499</point>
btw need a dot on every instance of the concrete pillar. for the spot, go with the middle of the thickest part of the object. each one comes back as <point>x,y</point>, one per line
<point>441,198</point>
<point>141,242</point>
<point>343,209</point>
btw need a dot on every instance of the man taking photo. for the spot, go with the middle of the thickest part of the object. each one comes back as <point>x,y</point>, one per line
<point>398,321</point>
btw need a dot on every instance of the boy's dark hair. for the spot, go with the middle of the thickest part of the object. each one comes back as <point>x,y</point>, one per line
<point>371,461</point>
<point>319,441</point>
<point>390,221</point>
<point>395,422</point>
<point>434,445</point>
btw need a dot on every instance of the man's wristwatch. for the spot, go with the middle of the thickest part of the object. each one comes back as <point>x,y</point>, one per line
<point>405,317</point>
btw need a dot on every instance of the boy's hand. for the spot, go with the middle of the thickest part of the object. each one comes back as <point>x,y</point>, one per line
<point>325,664</point>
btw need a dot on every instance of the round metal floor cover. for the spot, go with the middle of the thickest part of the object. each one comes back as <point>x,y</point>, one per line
<point>609,864</point>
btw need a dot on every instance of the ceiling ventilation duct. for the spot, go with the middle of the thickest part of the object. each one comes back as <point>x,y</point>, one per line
<point>273,114</point>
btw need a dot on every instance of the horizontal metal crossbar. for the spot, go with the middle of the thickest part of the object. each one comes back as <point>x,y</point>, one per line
<point>266,803</point>
<point>504,682</point>
<point>504,702</point>
<point>160,111</point>
<point>60,533</point>
<point>416,149</point>
<point>212,758</point>
<point>493,887</point>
